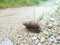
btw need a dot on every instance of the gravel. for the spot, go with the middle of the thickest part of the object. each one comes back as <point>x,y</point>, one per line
<point>12,32</point>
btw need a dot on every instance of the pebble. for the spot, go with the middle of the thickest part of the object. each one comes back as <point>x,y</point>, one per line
<point>42,39</point>
<point>36,41</point>
<point>21,44</point>
<point>7,42</point>
<point>46,32</point>
<point>53,31</point>
<point>33,38</point>
<point>38,37</point>
<point>17,43</point>
<point>58,39</point>
<point>34,44</point>
<point>50,25</point>
<point>54,34</point>
<point>58,44</point>
<point>52,19</point>
<point>52,39</point>
<point>46,36</point>
<point>58,25</point>
<point>39,44</point>
<point>58,32</point>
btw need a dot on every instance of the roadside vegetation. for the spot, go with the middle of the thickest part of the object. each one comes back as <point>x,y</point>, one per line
<point>18,3</point>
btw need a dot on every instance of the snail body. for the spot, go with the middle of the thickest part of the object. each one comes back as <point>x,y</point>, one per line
<point>32,26</point>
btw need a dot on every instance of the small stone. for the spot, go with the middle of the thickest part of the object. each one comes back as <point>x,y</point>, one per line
<point>39,44</point>
<point>38,37</point>
<point>17,44</point>
<point>54,30</point>
<point>58,39</point>
<point>46,32</point>
<point>33,38</point>
<point>58,32</point>
<point>46,43</point>
<point>50,26</point>
<point>46,36</point>
<point>36,41</point>
<point>27,43</point>
<point>53,44</point>
<point>58,44</point>
<point>54,34</point>
<point>52,39</point>
<point>21,44</point>
<point>52,19</point>
<point>42,39</point>
<point>7,42</point>
<point>33,44</point>
<point>58,25</point>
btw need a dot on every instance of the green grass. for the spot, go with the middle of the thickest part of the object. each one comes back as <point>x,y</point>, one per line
<point>18,3</point>
<point>40,18</point>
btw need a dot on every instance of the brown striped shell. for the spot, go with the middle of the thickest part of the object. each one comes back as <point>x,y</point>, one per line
<point>31,25</point>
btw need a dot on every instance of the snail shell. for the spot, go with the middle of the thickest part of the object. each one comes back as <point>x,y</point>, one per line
<point>31,25</point>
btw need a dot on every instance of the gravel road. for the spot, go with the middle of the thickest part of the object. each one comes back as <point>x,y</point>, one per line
<point>13,32</point>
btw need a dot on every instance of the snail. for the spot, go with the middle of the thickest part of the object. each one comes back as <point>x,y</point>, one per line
<point>32,26</point>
